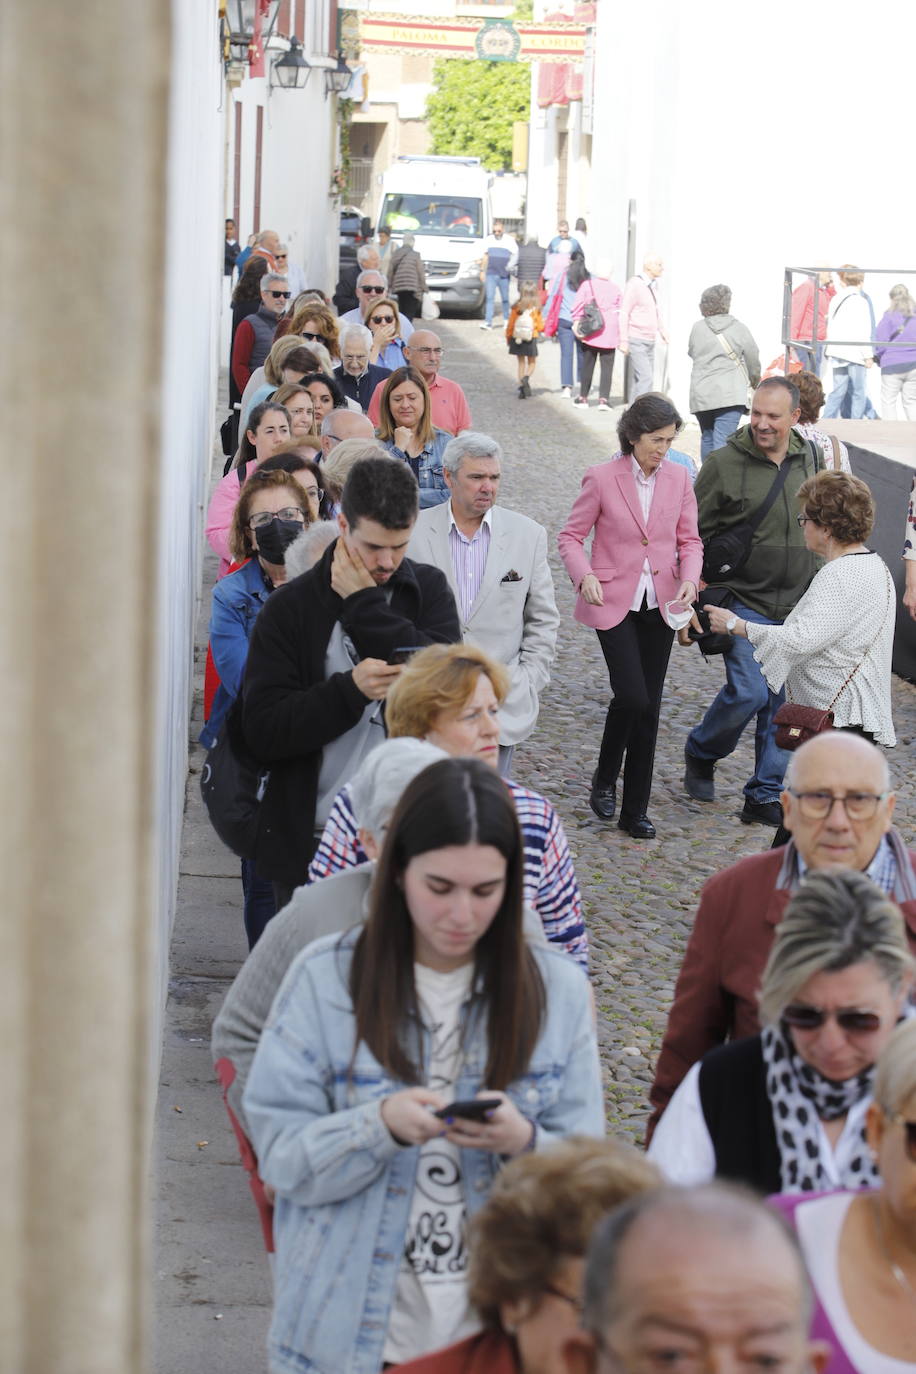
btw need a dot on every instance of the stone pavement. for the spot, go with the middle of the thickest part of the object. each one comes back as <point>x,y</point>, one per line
<point>212,1279</point>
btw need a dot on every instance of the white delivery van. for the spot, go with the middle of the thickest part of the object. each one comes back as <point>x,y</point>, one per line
<point>445,203</point>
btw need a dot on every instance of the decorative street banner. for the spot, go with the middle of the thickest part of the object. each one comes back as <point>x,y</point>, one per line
<point>494,40</point>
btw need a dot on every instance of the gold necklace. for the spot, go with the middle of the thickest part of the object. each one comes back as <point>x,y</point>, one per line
<point>902,1280</point>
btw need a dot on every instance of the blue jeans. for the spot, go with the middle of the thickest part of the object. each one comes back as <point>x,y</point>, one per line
<point>744,696</point>
<point>848,380</point>
<point>716,426</point>
<point>490,284</point>
<point>570,356</point>
<point>259,905</point>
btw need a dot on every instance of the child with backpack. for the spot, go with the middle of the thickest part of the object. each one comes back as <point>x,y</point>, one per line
<point>525,326</point>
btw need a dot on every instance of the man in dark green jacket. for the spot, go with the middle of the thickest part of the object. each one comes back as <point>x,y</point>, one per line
<point>733,483</point>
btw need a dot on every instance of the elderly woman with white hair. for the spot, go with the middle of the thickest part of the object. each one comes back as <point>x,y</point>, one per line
<point>785,1111</point>
<point>356,376</point>
<point>860,1247</point>
<point>725,364</point>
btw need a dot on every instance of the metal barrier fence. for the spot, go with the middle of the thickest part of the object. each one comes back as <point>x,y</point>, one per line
<point>814,273</point>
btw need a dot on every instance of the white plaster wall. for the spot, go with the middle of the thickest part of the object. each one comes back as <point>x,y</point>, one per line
<point>299,149</point>
<point>708,133</point>
<point>191,265</point>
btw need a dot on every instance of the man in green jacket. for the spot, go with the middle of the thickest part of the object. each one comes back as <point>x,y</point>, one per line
<point>733,483</point>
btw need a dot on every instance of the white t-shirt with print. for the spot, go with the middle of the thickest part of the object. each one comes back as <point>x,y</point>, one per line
<point>430,1301</point>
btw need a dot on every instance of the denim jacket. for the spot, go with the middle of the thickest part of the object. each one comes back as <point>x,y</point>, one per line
<point>237,599</point>
<point>344,1187</point>
<point>427,468</point>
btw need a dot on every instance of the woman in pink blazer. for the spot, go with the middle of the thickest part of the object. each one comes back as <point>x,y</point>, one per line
<point>646,553</point>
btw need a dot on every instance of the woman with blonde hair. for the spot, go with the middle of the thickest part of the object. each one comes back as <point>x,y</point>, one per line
<point>527,1255</point>
<point>288,361</point>
<point>383,320</point>
<point>860,1247</point>
<point>450,694</point>
<point>406,429</point>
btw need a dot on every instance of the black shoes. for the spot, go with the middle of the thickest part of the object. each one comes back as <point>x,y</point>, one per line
<point>763,813</point>
<point>603,799</point>
<point>698,777</point>
<point>640,827</point>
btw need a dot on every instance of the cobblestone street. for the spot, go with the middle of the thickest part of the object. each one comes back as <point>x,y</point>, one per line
<point>640,896</point>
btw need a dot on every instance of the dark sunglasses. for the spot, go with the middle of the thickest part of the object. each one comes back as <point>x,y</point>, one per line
<point>812,1018</point>
<point>910,1129</point>
<point>277,295</point>
<point>316,338</point>
<point>382,319</point>
<point>373,290</point>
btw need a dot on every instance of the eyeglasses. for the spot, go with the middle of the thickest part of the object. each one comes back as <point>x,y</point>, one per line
<point>817,806</point>
<point>803,520</point>
<point>264,518</point>
<point>316,338</point>
<point>382,319</point>
<point>281,257</point>
<point>806,1018</point>
<point>355,357</point>
<point>577,1303</point>
<point>372,290</point>
<point>910,1129</point>
<point>280,295</point>
<point>432,352</point>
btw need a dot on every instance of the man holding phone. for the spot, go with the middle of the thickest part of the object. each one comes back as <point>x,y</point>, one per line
<point>321,663</point>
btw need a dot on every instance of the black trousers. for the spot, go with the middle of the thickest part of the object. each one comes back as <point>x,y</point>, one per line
<point>587,356</point>
<point>409,304</point>
<point>636,653</point>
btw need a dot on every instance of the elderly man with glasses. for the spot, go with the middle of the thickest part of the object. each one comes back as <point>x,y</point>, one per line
<point>255,335</point>
<point>359,379</point>
<point>838,806</point>
<point>449,406</point>
<point>370,284</point>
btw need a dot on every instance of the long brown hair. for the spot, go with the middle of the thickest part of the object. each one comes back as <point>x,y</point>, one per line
<point>453,802</point>
<point>425,430</point>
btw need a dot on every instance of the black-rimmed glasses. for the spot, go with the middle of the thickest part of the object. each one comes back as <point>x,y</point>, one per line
<point>280,295</point>
<point>817,806</point>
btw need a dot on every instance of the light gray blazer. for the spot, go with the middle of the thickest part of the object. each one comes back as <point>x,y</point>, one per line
<point>516,621</point>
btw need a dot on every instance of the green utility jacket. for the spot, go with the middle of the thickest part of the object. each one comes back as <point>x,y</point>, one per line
<point>733,482</point>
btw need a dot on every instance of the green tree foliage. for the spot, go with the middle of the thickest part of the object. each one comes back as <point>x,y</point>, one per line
<point>473,107</point>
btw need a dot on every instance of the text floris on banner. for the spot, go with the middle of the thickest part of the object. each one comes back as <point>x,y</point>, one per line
<point>494,40</point>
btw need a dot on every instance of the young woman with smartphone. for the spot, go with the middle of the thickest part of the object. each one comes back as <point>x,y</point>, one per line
<point>437,999</point>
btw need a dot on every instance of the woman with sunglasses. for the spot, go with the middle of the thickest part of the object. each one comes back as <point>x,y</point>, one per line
<point>382,318</point>
<point>407,431</point>
<point>315,324</point>
<point>860,1247</point>
<point>268,427</point>
<point>436,1000</point>
<point>272,510</point>
<point>785,1111</point>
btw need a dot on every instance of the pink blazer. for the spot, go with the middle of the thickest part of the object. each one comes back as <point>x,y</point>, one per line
<point>608,504</point>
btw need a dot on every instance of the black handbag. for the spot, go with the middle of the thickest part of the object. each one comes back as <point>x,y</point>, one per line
<point>591,321</point>
<point>707,640</point>
<point>232,785</point>
<point>229,432</point>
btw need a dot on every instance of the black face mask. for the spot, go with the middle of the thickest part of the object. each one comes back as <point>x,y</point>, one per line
<point>274,539</point>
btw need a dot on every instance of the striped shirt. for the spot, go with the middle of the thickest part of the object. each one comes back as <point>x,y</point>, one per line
<point>469,559</point>
<point>550,879</point>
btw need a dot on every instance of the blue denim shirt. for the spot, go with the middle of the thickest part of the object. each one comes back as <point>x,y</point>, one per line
<point>344,1187</point>
<point>427,468</point>
<point>237,599</point>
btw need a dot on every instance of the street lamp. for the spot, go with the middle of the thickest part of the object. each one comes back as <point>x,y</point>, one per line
<point>291,71</point>
<point>239,18</point>
<point>337,79</point>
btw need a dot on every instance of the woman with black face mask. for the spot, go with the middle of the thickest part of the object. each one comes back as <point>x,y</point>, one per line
<point>273,510</point>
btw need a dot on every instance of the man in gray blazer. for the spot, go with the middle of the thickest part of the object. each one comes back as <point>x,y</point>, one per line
<point>496,564</point>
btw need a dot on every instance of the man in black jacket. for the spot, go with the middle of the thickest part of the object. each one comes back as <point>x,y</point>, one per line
<point>320,662</point>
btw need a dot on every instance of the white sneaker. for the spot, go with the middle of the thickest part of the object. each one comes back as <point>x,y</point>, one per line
<point>484,325</point>
<point>566,393</point>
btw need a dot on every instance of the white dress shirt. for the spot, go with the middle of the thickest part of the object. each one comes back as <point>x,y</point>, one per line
<point>645,490</point>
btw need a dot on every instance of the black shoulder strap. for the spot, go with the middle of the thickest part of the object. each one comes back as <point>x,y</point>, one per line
<point>241,470</point>
<point>779,482</point>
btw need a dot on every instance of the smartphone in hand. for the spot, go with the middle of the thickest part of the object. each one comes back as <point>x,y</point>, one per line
<point>471,1109</point>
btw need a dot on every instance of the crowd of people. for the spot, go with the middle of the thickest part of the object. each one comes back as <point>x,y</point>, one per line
<point>409,1052</point>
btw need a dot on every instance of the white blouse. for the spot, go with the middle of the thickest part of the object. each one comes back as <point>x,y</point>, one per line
<point>846,617</point>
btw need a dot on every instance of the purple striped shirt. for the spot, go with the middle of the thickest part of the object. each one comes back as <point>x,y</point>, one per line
<point>469,559</point>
